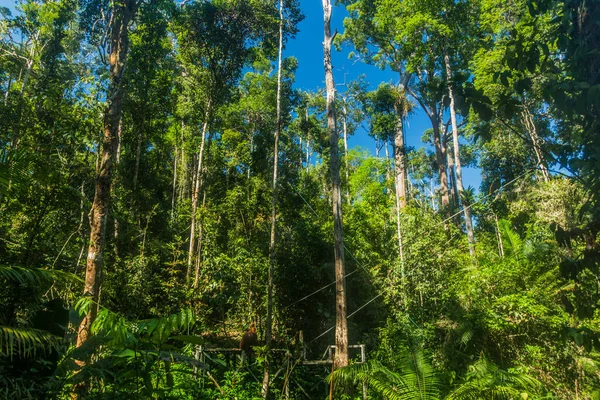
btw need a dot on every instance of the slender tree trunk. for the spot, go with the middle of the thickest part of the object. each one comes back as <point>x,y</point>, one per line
<point>536,141</point>
<point>399,233</point>
<point>452,179</point>
<point>307,139</point>
<point>138,155</point>
<point>269,322</point>
<point>175,159</point>
<point>387,161</point>
<point>251,151</point>
<point>8,85</point>
<point>341,326</point>
<point>345,110</point>
<point>301,161</point>
<point>200,244</point>
<point>400,178</point>
<point>440,157</point>
<point>399,157</point>
<point>115,183</point>
<point>122,16</point>
<point>499,237</point>
<point>196,192</point>
<point>183,174</point>
<point>459,184</point>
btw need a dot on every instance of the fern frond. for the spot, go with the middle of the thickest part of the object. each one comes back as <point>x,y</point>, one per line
<point>416,380</point>
<point>26,342</point>
<point>486,380</point>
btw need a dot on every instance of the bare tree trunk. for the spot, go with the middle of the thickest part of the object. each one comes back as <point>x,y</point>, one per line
<point>459,184</point>
<point>269,322</point>
<point>138,155</point>
<point>307,139</point>
<point>115,182</point>
<point>499,237</point>
<point>440,157</point>
<point>536,141</point>
<point>399,157</point>
<point>175,159</point>
<point>251,151</point>
<point>183,174</point>
<point>195,194</point>
<point>452,179</point>
<point>122,16</point>
<point>341,326</point>
<point>399,233</point>
<point>345,110</point>
<point>387,161</point>
<point>200,243</point>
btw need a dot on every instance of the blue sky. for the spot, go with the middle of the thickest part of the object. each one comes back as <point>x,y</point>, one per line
<point>307,48</point>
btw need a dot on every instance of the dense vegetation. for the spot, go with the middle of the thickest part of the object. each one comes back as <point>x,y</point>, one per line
<point>160,117</point>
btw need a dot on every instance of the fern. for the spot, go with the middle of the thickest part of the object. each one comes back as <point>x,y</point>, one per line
<point>416,380</point>
<point>26,342</point>
<point>486,380</point>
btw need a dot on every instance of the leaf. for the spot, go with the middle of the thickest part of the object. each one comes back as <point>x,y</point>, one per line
<point>36,276</point>
<point>26,342</point>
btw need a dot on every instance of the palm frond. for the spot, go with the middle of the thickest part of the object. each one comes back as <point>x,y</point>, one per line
<point>36,276</point>
<point>14,169</point>
<point>26,342</point>
<point>513,245</point>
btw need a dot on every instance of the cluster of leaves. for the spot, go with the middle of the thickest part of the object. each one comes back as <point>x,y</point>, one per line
<point>518,321</point>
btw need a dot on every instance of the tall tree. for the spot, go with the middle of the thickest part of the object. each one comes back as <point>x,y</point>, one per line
<point>457,163</point>
<point>390,34</point>
<point>269,322</point>
<point>341,325</point>
<point>123,14</point>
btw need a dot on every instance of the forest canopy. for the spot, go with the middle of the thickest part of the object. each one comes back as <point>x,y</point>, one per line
<point>166,190</point>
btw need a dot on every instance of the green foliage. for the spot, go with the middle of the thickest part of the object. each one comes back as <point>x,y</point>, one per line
<point>415,379</point>
<point>484,380</point>
<point>525,80</point>
<point>26,342</point>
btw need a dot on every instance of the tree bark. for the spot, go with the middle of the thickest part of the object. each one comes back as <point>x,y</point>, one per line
<point>175,159</point>
<point>341,326</point>
<point>200,243</point>
<point>535,139</point>
<point>196,193</point>
<point>269,322</point>
<point>138,155</point>
<point>399,157</point>
<point>440,158</point>
<point>499,237</point>
<point>457,165</point>
<point>123,14</point>
<point>452,180</point>
<point>115,183</point>
<point>345,125</point>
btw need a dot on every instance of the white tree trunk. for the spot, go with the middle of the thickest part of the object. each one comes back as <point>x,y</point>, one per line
<point>459,184</point>
<point>269,321</point>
